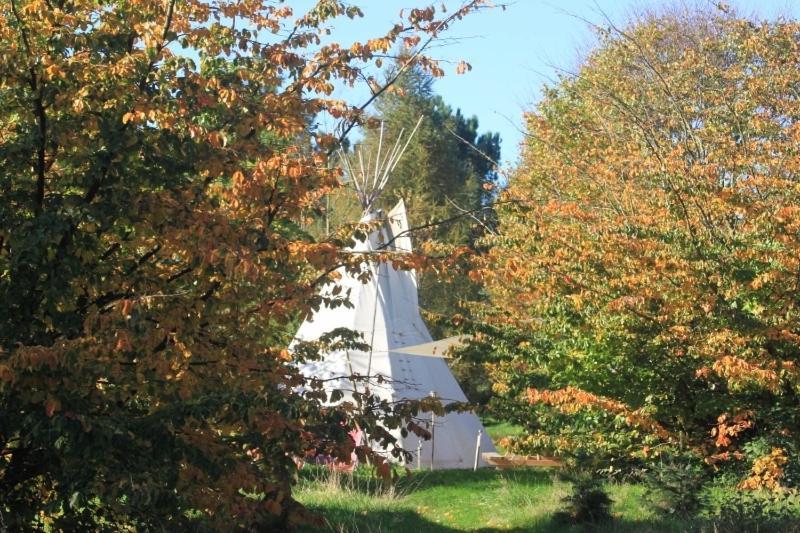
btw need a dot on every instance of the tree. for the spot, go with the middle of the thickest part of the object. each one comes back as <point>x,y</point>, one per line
<point>644,281</point>
<point>154,168</point>
<point>445,178</point>
<point>448,168</point>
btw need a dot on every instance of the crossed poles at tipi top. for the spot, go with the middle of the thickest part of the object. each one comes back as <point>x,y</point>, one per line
<point>370,176</point>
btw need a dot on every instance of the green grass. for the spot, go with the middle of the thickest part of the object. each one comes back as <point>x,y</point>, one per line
<point>523,500</point>
<point>456,500</point>
<point>447,501</point>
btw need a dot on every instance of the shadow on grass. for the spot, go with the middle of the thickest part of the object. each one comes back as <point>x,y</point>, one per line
<point>341,521</point>
<point>402,521</point>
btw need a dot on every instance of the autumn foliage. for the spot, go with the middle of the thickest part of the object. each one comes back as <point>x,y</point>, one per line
<point>157,159</point>
<point>645,278</point>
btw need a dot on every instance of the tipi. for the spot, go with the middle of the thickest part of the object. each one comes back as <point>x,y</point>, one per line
<point>385,311</point>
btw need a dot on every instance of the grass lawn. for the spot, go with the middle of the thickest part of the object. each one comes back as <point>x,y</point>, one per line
<point>487,500</point>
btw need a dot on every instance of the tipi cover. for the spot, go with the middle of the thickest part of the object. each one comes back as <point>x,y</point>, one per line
<point>385,312</point>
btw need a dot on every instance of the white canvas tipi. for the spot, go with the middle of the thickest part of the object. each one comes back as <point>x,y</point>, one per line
<point>385,312</point>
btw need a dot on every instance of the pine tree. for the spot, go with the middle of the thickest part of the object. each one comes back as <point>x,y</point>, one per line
<point>445,178</point>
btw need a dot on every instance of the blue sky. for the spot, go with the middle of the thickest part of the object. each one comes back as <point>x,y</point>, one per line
<point>515,51</point>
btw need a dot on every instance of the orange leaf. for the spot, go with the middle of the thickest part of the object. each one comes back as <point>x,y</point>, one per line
<point>51,406</point>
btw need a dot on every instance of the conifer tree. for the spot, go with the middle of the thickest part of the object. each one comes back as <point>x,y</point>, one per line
<point>445,178</point>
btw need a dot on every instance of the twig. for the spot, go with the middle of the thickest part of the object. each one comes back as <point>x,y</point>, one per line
<point>473,216</point>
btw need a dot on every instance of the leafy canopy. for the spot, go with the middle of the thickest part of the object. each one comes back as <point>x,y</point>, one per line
<point>155,162</point>
<point>644,281</point>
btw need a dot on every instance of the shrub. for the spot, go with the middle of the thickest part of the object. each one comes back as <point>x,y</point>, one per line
<point>731,509</point>
<point>588,503</point>
<point>674,484</point>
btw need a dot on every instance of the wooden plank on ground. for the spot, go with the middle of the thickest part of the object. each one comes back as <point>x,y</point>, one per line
<point>520,461</point>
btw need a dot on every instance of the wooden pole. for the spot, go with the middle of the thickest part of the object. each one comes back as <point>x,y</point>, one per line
<point>433,437</point>
<point>477,450</point>
<point>433,431</point>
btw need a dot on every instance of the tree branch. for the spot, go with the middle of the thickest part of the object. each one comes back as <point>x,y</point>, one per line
<point>433,34</point>
<point>39,114</point>
<point>41,120</point>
